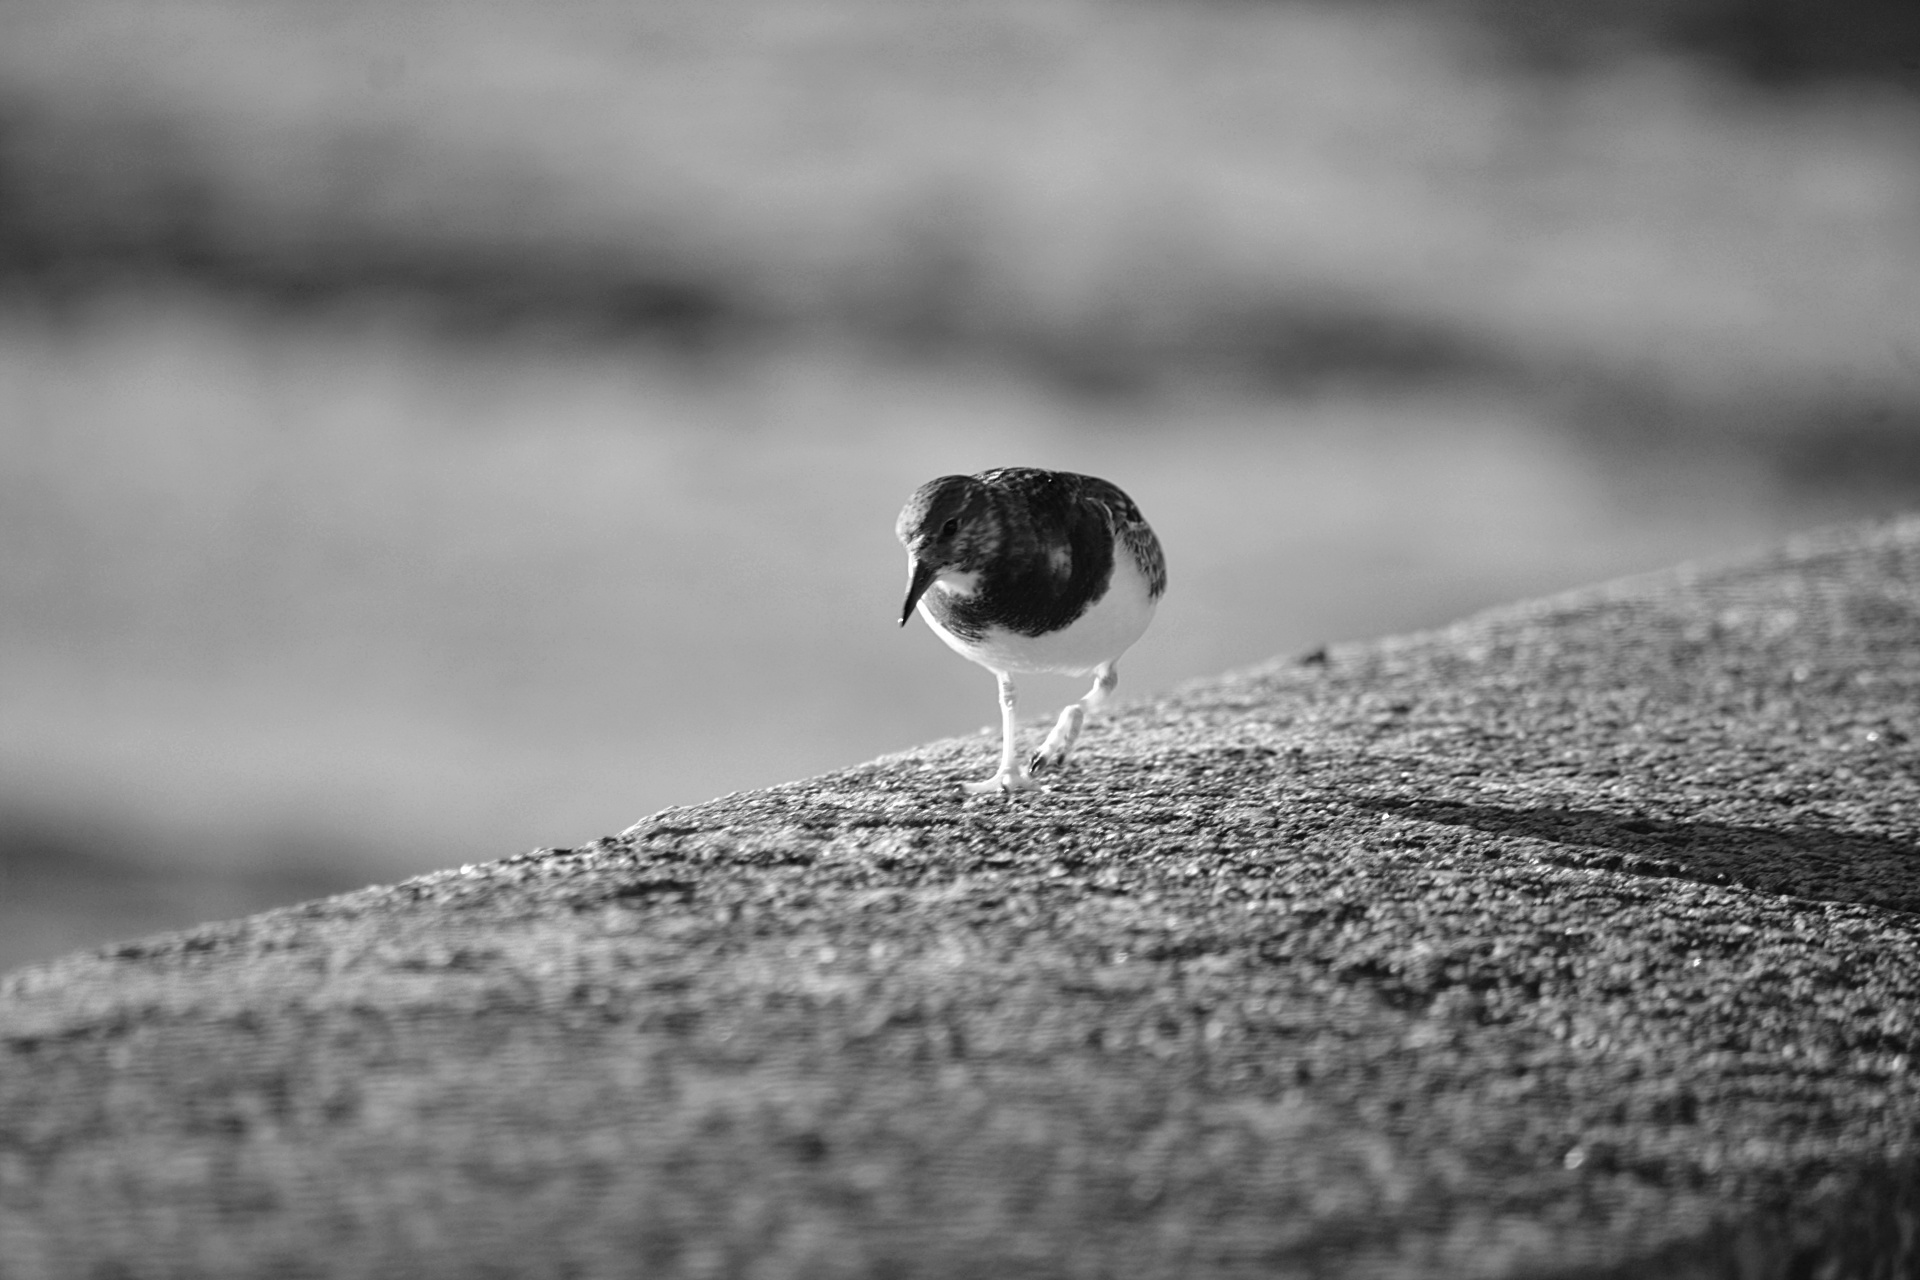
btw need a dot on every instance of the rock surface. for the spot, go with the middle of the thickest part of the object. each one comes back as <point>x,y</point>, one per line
<point>1576,939</point>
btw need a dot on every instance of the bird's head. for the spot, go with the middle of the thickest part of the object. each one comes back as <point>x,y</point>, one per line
<point>950,530</point>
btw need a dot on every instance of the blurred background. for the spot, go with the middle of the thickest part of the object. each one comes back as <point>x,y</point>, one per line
<point>432,430</point>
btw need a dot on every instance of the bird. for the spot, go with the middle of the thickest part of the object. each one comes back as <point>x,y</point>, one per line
<point>1023,571</point>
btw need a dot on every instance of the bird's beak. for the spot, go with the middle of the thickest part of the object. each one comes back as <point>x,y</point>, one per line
<point>920,576</point>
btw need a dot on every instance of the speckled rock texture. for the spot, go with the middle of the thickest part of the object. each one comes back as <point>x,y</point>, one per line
<point>1578,939</point>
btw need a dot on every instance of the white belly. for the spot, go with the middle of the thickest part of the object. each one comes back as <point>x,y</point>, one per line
<point>1097,637</point>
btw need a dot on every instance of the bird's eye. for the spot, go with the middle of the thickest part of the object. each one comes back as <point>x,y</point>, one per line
<point>950,528</point>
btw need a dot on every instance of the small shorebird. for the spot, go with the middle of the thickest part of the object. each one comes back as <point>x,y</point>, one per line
<point>1024,570</point>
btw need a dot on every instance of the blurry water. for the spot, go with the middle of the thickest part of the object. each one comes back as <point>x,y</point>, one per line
<point>294,605</point>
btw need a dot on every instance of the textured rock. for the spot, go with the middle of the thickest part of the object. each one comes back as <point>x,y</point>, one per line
<point>1576,939</point>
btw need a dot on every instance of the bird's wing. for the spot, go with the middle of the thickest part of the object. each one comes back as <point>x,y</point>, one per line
<point>1134,532</point>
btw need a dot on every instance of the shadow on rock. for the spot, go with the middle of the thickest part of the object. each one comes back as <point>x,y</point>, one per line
<point>1805,861</point>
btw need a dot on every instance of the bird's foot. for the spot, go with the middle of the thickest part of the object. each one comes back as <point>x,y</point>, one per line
<point>1047,757</point>
<point>1005,780</point>
<point>1066,731</point>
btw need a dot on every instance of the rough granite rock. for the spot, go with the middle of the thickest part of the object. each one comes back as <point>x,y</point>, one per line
<point>1576,939</point>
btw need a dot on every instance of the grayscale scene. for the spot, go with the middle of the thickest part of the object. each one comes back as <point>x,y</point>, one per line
<point>437,432</point>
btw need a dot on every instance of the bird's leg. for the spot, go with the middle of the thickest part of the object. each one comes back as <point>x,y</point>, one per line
<point>1066,730</point>
<point>1011,777</point>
